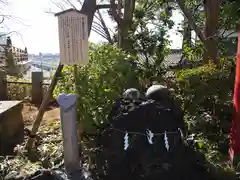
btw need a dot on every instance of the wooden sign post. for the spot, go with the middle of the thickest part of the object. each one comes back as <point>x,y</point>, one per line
<point>73,42</point>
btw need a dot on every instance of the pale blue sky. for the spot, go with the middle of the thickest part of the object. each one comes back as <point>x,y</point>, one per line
<point>38,30</point>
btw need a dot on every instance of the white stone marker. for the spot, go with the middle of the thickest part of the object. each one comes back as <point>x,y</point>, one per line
<point>67,103</point>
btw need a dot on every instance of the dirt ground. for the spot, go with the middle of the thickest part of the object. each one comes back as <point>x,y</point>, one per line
<point>29,113</point>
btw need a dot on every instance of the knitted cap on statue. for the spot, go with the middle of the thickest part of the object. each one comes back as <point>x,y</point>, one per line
<point>131,93</point>
<point>162,95</point>
<point>157,92</point>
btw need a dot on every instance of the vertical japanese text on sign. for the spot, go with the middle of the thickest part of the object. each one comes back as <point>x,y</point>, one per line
<point>73,33</point>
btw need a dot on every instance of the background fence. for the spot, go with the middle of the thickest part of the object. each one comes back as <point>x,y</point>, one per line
<point>23,90</point>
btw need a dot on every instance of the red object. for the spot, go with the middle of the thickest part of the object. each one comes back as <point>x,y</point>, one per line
<point>234,149</point>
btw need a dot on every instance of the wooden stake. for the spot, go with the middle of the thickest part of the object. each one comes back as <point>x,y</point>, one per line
<point>78,93</point>
<point>41,111</point>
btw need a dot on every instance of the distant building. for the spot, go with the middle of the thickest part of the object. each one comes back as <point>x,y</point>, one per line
<point>46,57</point>
<point>174,58</point>
<point>18,56</point>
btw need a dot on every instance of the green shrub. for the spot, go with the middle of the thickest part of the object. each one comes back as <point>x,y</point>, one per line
<point>99,83</point>
<point>206,93</point>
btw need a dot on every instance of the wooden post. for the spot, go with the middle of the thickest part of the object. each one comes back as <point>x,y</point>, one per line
<point>3,86</point>
<point>234,145</point>
<point>44,103</point>
<point>68,109</point>
<point>78,93</point>
<point>37,89</point>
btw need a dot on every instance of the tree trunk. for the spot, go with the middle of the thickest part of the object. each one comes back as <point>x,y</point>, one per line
<point>125,28</point>
<point>212,10</point>
<point>191,22</point>
<point>89,8</point>
<point>124,22</point>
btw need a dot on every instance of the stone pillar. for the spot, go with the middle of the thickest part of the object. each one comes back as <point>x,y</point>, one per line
<point>37,89</point>
<point>3,86</point>
<point>67,103</point>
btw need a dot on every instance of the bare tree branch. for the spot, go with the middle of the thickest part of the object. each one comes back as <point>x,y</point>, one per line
<point>115,14</point>
<point>188,15</point>
<point>103,6</point>
<point>102,26</point>
<point>49,12</point>
<point>97,17</point>
<point>60,6</point>
<point>105,28</point>
<point>70,3</point>
<point>2,20</point>
<point>99,25</point>
<point>197,7</point>
<point>229,34</point>
<point>96,30</point>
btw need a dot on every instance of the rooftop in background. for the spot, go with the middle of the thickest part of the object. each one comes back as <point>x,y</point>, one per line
<point>173,58</point>
<point>66,11</point>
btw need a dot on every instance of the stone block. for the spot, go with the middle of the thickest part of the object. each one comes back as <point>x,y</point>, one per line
<point>11,126</point>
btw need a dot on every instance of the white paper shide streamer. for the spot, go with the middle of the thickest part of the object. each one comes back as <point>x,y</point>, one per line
<point>181,133</point>
<point>126,141</point>
<point>150,136</point>
<point>166,141</point>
